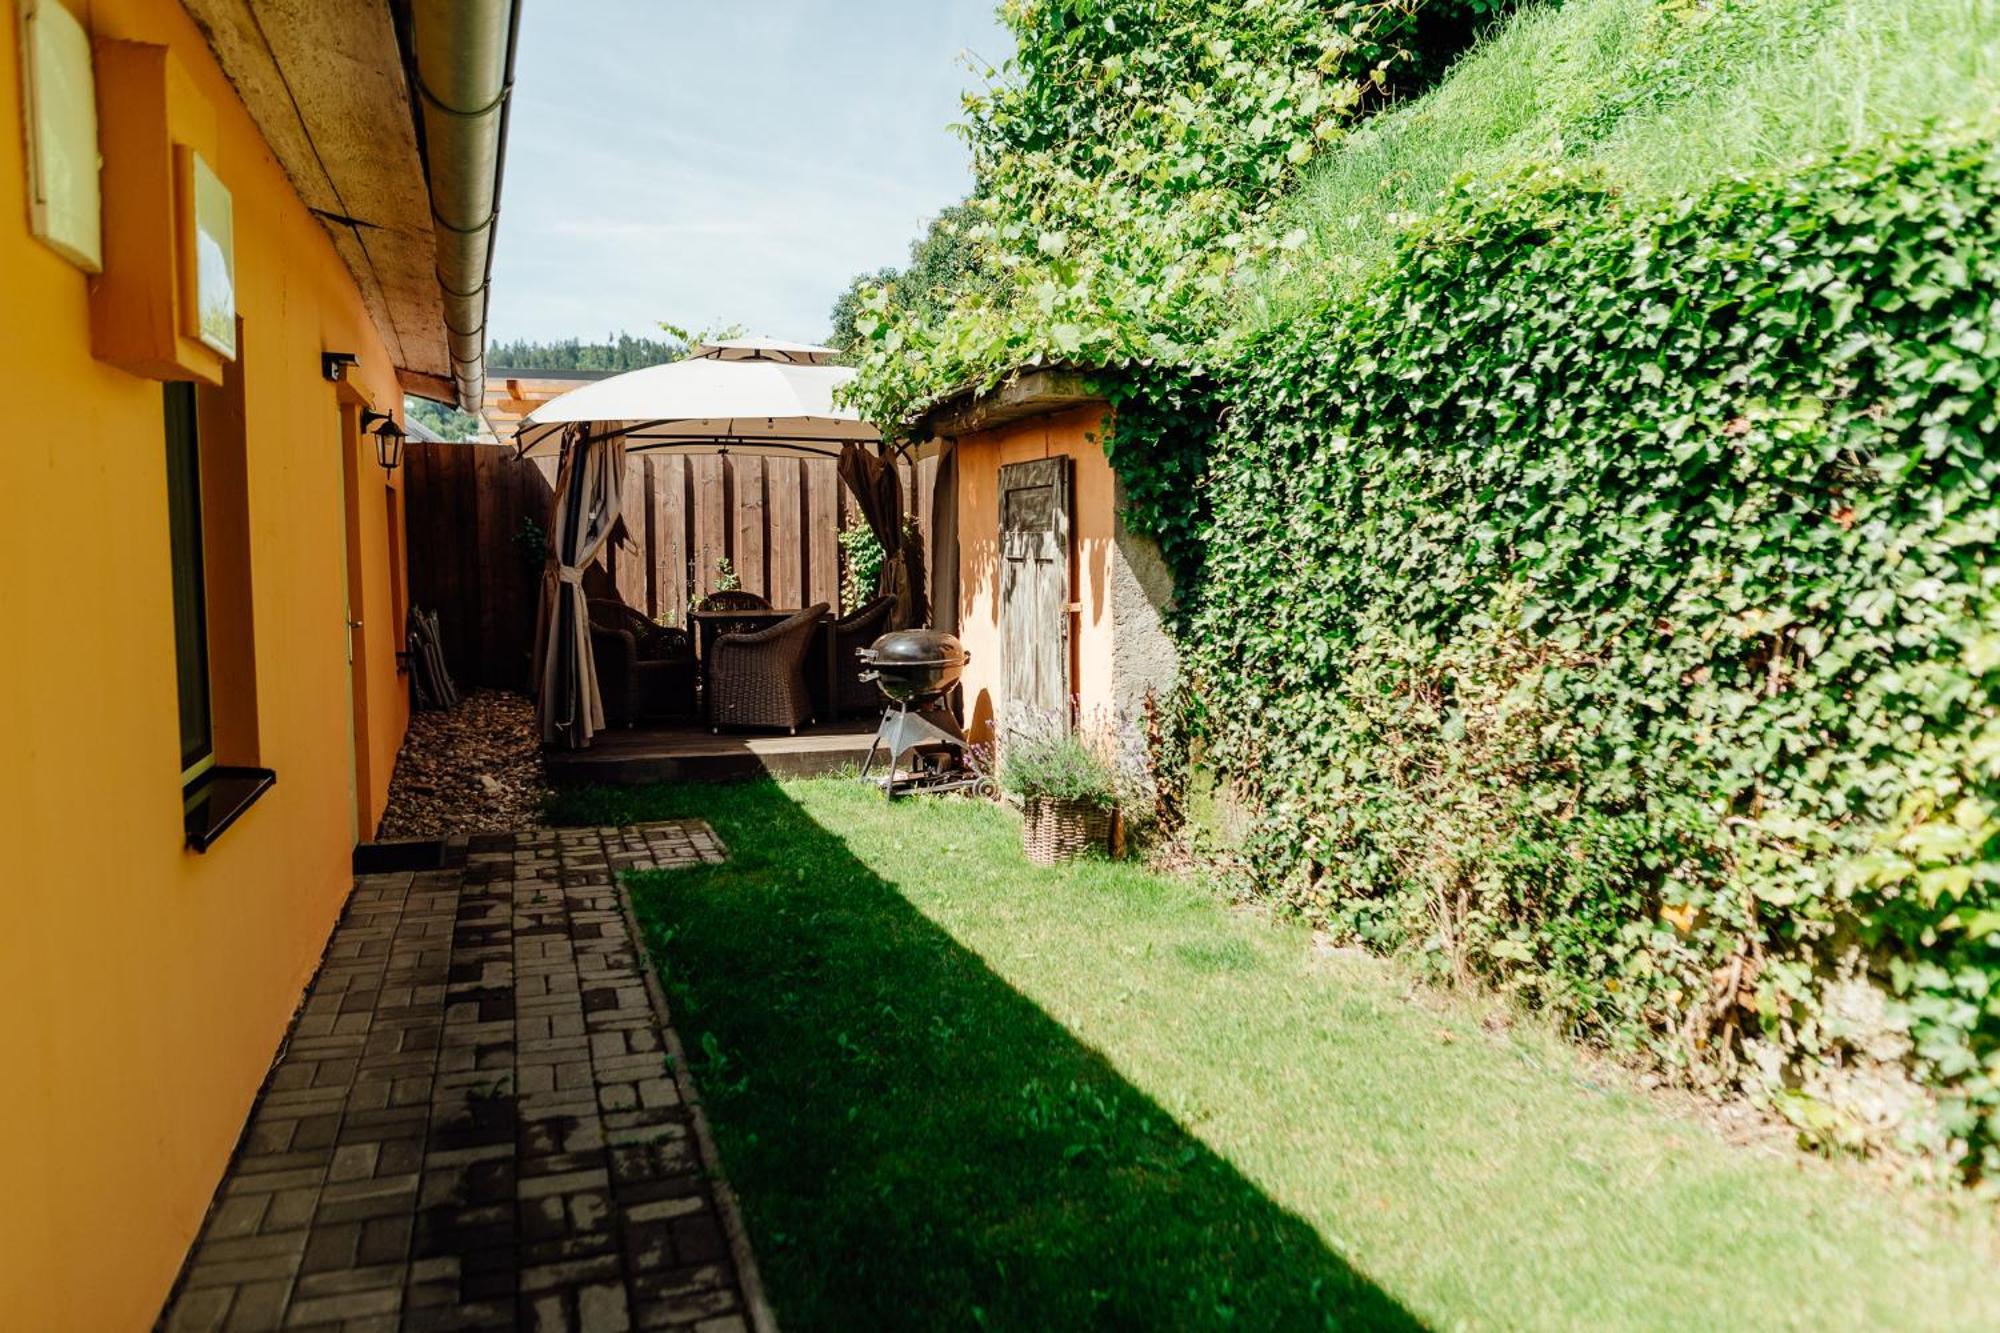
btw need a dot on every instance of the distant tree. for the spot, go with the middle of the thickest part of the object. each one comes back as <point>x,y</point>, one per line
<point>946,260</point>
<point>848,304</point>
<point>447,422</point>
<point>617,352</point>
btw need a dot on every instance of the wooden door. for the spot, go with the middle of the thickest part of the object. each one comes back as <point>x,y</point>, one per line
<point>1034,592</point>
<point>361,778</point>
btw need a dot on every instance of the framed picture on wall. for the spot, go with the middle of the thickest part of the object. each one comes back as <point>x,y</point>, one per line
<point>207,253</point>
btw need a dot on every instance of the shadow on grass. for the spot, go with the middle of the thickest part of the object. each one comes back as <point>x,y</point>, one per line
<point>917,1145</point>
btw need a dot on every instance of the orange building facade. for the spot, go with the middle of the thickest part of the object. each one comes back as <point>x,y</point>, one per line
<point>144,984</point>
<point>1106,626</point>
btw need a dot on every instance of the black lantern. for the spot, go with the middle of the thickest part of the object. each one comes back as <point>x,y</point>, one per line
<point>388,438</point>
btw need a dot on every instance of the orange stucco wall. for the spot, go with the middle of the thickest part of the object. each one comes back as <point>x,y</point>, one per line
<point>1077,433</point>
<point>143,988</point>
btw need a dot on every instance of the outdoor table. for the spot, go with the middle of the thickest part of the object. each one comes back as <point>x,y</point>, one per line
<point>708,625</point>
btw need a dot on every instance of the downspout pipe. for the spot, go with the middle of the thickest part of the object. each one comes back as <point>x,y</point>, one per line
<point>463,58</point>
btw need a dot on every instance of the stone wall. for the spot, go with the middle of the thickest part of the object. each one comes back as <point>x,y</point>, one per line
<point>1144,659</point>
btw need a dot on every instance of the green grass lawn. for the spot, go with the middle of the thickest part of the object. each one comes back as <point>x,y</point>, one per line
<point>956,1091</point>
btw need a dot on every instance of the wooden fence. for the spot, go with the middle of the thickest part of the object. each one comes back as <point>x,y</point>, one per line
<point>474,512</point>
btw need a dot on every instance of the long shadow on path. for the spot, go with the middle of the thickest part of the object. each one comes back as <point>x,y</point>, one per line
<point>917,1145</point>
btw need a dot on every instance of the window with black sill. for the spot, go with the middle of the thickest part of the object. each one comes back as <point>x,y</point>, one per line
<point>214,646</point>
<point>190,589</point>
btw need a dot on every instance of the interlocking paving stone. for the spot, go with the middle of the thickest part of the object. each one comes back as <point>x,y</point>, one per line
<point>474,1124</point>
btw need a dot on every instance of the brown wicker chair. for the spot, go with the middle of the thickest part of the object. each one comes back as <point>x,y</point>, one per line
<point>857,630</point>
<point>644,670</point>
<point>757,679</point>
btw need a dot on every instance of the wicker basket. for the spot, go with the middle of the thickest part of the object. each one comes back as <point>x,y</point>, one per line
<point>1053,831</point>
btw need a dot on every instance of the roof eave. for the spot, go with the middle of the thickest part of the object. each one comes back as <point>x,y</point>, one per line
<point>1026,391</point>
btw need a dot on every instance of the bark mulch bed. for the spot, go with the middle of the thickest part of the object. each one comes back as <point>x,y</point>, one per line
<point>475,768</point>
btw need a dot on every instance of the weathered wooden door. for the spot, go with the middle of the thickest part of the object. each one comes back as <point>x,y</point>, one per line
<point>1034,592</point>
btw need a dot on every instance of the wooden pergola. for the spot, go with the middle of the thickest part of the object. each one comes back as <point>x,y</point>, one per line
<point>511,394</point>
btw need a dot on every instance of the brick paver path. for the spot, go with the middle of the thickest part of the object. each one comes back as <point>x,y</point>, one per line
<point>476,1123</point>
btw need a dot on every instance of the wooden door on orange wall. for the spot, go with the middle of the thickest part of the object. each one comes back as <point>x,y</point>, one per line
<point>358,629</point>
<point>1035,593</point>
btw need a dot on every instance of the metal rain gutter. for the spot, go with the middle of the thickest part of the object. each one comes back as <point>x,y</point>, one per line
<point>463,59</point>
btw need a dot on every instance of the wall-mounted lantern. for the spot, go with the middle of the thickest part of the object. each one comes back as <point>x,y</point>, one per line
<point>388,438</point>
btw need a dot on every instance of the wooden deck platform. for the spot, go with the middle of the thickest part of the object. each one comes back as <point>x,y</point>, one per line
<point>629,757</point>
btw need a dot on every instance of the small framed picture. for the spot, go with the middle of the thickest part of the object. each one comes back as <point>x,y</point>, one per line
<point>207,254</point>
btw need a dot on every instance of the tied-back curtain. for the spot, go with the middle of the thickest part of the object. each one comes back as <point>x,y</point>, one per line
<point>944,541</point>
<point>585,512</point>
<point>878,492</point>
<point>911,598</point>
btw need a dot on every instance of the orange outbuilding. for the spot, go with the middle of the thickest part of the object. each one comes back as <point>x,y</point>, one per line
<point>217,266</point>
<point>1059,602</point>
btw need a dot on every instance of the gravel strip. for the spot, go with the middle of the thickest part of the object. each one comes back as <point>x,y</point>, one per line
<point>476,768</point>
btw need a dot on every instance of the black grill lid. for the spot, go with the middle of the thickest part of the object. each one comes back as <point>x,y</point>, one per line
<point>916,647</point>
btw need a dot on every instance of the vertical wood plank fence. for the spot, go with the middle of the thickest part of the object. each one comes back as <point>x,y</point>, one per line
<point>777,521</point>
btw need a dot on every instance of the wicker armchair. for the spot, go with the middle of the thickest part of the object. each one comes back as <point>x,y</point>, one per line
<point>757,679</point>
<point>644,670</point>
<point>857,630</point>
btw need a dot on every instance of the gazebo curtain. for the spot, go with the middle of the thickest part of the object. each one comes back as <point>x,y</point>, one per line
<point>567,701</point>
<point>944,541</point>
<point>878,492</point>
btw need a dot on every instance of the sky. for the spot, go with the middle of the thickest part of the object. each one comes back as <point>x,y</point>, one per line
<point>738,163</point>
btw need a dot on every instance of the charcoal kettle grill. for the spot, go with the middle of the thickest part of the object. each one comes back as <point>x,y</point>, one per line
<point>914,669</point>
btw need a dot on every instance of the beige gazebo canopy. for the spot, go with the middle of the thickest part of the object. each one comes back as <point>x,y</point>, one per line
<point>758,396</point>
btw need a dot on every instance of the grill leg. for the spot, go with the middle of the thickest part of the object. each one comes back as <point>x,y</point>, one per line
<point>895,728</point>
<point>884,729</point>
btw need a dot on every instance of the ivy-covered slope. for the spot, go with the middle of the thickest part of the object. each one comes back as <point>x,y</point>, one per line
<point>1127,160</point>
<point>1661,97</point>
<point>1603,601</point>
<point>1581,489</point>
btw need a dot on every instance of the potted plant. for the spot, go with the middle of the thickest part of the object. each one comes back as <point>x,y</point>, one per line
<point>1068,794</point>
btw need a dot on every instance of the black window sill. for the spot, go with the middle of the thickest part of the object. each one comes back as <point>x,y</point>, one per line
<point>218,796</point>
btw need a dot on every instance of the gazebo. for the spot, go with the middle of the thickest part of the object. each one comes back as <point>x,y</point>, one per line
<point>749,397</point>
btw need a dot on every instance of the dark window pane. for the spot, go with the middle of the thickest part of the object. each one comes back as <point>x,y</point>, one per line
<point>190,595</point>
